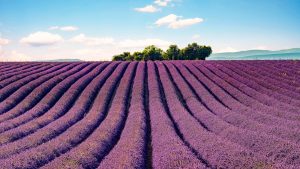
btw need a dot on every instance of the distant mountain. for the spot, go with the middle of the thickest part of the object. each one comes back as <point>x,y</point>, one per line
<point>293,50</point>
<point>258,54</point>
<point>277,56</point>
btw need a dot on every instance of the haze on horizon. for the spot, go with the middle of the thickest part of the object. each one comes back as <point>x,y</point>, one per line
<point>96,30</point>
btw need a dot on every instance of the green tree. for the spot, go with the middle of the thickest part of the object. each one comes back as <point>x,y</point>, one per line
<point>173,53</point>
<point>152,53</point>
<point>138,56</point>
<point>128,56</point>
<point>119,58</point>
<point>191,52</point>
<point>194,51</point>
<point>205,51</point>
<point>123,57</point>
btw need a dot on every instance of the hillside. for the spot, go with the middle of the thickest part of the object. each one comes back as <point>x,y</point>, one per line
<point>170,114</point>
<point>258,54</point>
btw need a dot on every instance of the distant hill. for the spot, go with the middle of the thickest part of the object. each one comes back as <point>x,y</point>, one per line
<point>258,54</point>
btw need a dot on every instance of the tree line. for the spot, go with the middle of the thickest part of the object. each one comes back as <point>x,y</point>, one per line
<point>191,52</point>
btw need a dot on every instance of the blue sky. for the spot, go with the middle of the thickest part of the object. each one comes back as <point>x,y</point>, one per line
<point>98,29</point>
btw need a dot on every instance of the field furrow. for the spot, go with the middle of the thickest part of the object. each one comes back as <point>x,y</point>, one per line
<point>16,118</point>
<point>150,114</point>
<point>60,117</point>
<point>213,149</point>
<point>99,141</point>
<point>132,153</point>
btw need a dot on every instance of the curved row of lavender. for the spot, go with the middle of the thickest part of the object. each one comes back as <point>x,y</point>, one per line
<point>171,114</point>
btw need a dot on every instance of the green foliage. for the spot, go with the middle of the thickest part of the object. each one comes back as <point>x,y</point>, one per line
<point>195,52</point>
<point>191,52</point>
<point>118,58</point>
<point>138,56</point>
<point>152,53</point>
<point>173,53</point>
<point>126,56</point>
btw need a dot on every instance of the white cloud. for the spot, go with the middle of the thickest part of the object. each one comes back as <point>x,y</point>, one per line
<point>147,9</point>
<point>162,2</point>
<point>167,20</point>
<point>4,41</point>
<point>93,53</point>
<point>89,52</point>
<point>141,43</point>
<point>196,36</point>
<point>175,22</point>
<point>64,28</point>
<point>14,56</point>
<point>1,51</point>
<point>92,41</point>
<point>79,47</point>
<point>41,39</point>
<point>54,28</point>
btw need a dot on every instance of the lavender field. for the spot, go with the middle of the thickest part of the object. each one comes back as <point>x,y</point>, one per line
<point>171,114</point>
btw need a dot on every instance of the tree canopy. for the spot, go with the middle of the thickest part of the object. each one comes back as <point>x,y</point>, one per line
<point>191,52</point>
<point>152,53</point>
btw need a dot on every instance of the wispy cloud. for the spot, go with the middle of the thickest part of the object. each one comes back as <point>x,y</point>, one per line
<point>175,22</point>
<point>89,52</point>
<point>14,56</point>
<point>154,7</point>
<point>4,41</point>
<point>162,2</point>
<point>141,43</point>
<point>92,41</point>
<point>147,9</point>
<point>196,37</point>
<point>64,28</point>
<point>41,39</point>
<point>1,51</point>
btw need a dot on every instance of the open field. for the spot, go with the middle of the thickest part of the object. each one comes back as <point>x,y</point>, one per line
<point>171,114</point>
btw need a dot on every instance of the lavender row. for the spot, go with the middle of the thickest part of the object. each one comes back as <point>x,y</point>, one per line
<point>12,120</point>
<point>106,122</point>
<point>235,104</point>
<point>271,74</point>
<point>18,71</point>
<point>292,69</point>
<point>168,149</point>
<point>293,95</point>
<point>18,77</point>
<point>217,152</point>
<point>132,145</point>
<point>25,90</point>
<point>253,93</point>
<point>260,88</point>
<point>281,72</point>
<point>238,93</point>
<point>256,141</point>
<point>16,85</point>
<point>271,84</point>
<point>39,92</point>
<point>10,68</point>
<point>71,129</point>
<point>230,110</point>
<point>59,112</point>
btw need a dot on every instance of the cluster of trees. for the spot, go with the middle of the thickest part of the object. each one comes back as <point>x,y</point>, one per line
<point>191,52</point>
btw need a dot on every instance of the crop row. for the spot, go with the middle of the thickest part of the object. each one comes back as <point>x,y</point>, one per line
<point>171,114</point>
